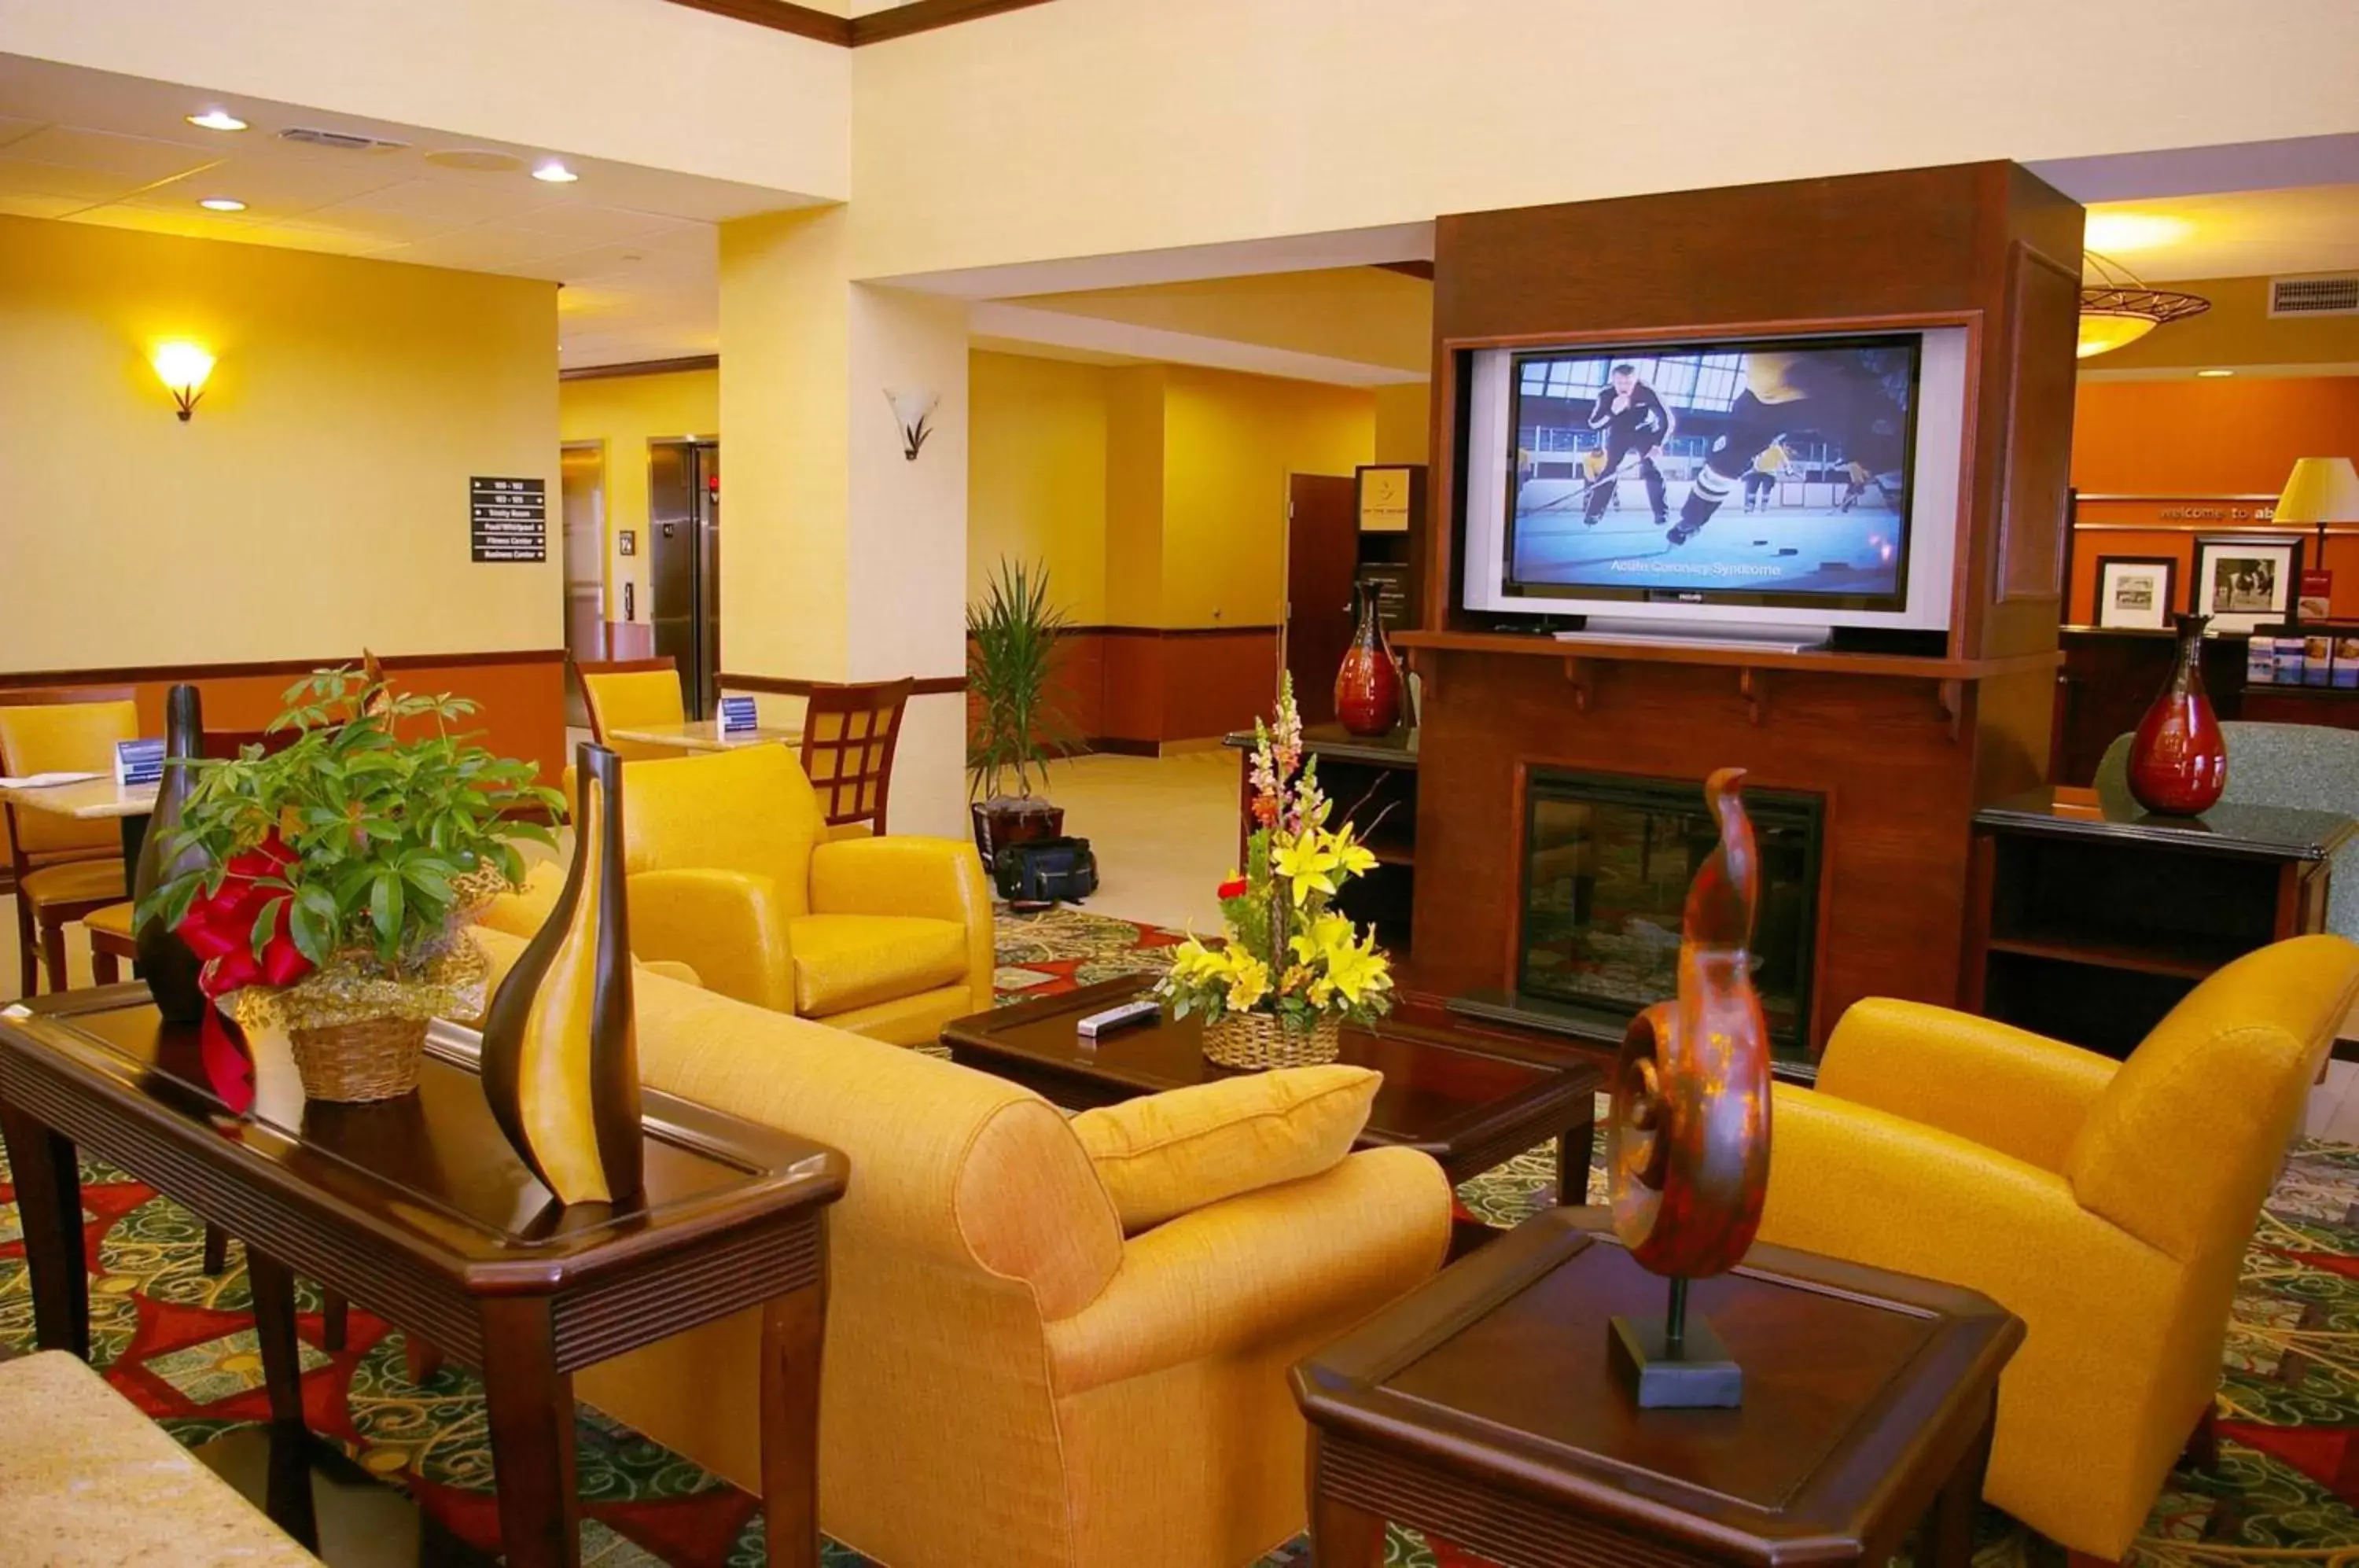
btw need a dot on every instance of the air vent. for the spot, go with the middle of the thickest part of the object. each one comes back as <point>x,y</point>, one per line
<point>2335,296</point>
<point>342,141</point>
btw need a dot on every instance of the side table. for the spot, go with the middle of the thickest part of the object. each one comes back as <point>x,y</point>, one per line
<point>1481,1408</point>
<point>419,1209</point>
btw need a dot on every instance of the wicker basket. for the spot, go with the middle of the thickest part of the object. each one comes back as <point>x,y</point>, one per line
<point>373,1059</point>
<point>1259,1040</point>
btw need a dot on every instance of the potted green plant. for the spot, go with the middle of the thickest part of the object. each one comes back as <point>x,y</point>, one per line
<point>334,880</point>
<point>1012,634</point>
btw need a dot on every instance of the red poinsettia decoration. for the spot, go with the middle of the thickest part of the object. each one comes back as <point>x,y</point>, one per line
<point>219,927</point>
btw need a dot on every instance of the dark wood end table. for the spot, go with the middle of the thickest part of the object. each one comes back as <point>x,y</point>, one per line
<point>1481,1408</point>
<point>419,1209</point>
<point>1467,1095</point>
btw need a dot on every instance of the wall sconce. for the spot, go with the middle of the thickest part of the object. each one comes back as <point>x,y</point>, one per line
<point>911,411</point>
<point>182,368</point>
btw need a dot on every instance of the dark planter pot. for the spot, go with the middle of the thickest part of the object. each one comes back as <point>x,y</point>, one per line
<point>1000,823</point>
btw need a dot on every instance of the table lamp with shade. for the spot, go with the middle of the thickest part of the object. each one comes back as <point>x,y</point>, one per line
<point>2320,490</point>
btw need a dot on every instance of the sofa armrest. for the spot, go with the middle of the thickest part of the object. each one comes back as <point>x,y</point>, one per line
<point>1854,1182</point>
<point>2005,1088</point>
<point>728,926</point>
<point>903,874</point>
<point>1307,1258</point>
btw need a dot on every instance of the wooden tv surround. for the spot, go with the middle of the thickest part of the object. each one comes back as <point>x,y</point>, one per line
<point>1904,747</point>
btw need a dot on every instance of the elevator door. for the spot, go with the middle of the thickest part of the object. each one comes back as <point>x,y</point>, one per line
<point>684,565</point>
<point>581,484</point>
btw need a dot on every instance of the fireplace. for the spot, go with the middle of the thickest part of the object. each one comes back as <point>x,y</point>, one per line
<point>1607,860</point>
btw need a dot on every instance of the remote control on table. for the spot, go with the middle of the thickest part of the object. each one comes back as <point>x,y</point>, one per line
<point>1121,1015</point>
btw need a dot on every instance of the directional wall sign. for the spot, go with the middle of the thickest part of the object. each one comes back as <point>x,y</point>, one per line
<point>508,519</point>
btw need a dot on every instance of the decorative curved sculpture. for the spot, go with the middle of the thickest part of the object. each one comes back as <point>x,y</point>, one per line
<point>165,962</point>
<point>561,1055</point>
<point>1688,1146</point>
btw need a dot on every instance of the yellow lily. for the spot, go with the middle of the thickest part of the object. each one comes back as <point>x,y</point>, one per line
<point>1358,970</point>
<point>1305,863</point>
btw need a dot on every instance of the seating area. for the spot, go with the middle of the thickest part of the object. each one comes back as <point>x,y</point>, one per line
<point>1357,834</point>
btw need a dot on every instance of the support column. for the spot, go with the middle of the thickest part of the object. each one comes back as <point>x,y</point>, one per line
<point>843,560</point>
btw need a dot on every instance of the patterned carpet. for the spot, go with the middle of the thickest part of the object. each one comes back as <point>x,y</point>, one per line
<point>180,1346</point>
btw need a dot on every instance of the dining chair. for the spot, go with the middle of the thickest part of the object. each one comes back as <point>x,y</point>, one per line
<point>64,868</point>
<point>113,942</point>
<point>623,692</point>
<point>849,731</point>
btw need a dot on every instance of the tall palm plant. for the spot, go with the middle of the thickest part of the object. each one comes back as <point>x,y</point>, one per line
<point>1012,636</point>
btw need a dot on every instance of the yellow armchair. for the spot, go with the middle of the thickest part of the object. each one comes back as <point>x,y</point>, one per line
<point>731,872</point>
<point>2108,1204</point>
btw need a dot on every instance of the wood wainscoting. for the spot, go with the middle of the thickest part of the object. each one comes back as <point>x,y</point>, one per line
<point>522,692</point>
<point>1140,689</point>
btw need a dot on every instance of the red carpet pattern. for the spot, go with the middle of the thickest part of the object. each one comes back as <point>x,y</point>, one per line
<point>179,1344</point>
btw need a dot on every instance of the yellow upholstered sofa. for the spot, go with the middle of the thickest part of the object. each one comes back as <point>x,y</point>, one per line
<point>2108,1204</point>
<point>1009,1382</point>
<point>732,874</point>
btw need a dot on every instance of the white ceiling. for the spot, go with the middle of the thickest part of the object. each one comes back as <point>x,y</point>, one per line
<point>635,248</point>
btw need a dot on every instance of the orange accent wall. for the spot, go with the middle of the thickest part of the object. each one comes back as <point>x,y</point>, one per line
<point>2190,439</point>
<point>2227,437</point>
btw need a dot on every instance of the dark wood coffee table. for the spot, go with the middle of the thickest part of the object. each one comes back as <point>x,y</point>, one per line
<point>1481,1408</point>
<point>1470,1096</point>
<point>417,1209</point>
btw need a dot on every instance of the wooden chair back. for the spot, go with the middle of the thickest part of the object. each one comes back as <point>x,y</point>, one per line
<point>849,733</point>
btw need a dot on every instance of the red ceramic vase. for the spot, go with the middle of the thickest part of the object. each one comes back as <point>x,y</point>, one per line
<point>1368,686</point>
<point>2179,759</point>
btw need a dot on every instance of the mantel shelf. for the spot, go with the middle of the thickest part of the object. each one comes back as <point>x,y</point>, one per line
<point>1888,666</point>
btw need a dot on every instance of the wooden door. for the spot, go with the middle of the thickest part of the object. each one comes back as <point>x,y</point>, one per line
<point>1323,551</point>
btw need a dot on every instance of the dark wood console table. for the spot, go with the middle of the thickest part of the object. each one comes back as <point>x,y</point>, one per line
<point>419,1209</point>
<point>2090,926</point>
<point>1481,1408</point>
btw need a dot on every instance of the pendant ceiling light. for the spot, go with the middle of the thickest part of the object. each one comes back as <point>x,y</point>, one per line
<point>2117,309</point>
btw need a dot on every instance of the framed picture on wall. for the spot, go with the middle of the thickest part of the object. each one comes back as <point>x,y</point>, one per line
<point>2136,593</point>
<point>2244,580</point>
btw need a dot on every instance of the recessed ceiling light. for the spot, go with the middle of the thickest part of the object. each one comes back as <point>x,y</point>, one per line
<point>556,173</point>
<point>2215,372</point>
<point>222,204</point>
<point>217,120</point>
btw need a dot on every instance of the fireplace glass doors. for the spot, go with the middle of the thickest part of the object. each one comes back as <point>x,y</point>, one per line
<point>1607,860</point>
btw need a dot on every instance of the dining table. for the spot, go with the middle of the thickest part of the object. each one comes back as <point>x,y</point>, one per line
<point>92,799</point>
<point>706,735</point>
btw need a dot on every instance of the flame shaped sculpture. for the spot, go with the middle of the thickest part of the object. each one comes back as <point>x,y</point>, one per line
<point>1687,1152</point>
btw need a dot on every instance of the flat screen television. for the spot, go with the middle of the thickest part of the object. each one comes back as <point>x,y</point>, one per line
<point>1773,483</point>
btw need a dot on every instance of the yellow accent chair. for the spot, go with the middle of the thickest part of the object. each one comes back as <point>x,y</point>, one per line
<point>2108,1204</point>
<point>732,874</point>
<point>65,868</point>
<point>1009,1381</point>
<point>628,692</point>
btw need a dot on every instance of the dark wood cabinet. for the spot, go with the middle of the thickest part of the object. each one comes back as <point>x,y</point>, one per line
<point>1373,781</point>
<point>2088,928</point>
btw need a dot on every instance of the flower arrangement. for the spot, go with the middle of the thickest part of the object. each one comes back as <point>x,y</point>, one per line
<point>1292,969</point>
<point>334,877</point>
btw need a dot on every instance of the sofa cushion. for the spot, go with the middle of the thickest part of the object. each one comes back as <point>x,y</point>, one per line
<point>843,961</point>
<point>1165,1154</point>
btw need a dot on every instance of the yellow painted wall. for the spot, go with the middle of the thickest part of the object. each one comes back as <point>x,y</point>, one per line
<point>2236,331</point>
<point>1156,493</point>
<point>317,501</point>
<point>625,413</point>
<point>1036,475</point>
<point>1230,441</point>
<point>1134,468</point>
<point>1368,314</point>
<point>1405,423</point>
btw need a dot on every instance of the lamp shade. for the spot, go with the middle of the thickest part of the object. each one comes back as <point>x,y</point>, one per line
<point>182,366</point>
<point>2320,490</point>
<point>2102,331</point>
